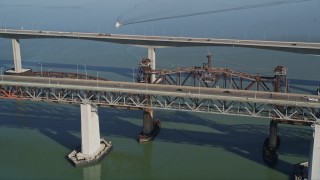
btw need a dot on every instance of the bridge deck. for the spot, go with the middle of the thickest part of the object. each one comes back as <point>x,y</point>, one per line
<point>165,41</point>
<point>283,106</point>
<point>283,99</point>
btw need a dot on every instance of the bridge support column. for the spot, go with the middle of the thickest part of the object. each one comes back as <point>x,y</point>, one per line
<point>92,147</point>
<point>314,157</point>
<point>17,59</point>
<point>147,121</point>
<point>150,128</point>
<point>152,57</point>
<point>90,133</point>
<point>271,144</point>
<point>16,55</point>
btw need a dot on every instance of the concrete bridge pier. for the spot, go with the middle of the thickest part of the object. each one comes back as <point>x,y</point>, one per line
<point>314,157</point>
<point>147,121</point>
<point>92,147</point>
<point>271,145</point>
<point>17,60</point>
<point>152,57</point>
<point>150,127</point>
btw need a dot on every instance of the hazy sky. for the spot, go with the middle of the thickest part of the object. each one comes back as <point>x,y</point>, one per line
<point>299,20</point>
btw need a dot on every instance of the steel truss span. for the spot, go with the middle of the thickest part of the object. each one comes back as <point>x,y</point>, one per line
<point>213,77</point>
<point>287,108</point>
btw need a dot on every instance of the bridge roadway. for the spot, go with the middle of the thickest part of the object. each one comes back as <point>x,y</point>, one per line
<point>165,41</point>
<point>308,102</point>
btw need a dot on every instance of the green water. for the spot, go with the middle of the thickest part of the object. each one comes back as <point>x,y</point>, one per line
<point>36,137</point>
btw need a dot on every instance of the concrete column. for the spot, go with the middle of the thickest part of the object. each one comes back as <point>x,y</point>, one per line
<point>271,145</point>
<point>16,56</point>
<point>273,135</point>
<point>314,157</point>
<point>90,132</point>
<point>147,121</point>
<point>92,147</point>
<point>152,57</point>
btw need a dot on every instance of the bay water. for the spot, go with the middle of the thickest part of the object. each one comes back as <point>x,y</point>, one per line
<point>36,137</point>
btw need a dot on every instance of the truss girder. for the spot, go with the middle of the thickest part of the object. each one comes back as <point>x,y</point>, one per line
<point>140,101</point>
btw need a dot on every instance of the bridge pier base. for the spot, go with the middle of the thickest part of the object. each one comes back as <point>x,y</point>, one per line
<point>92,147</point>
<point>314,157</point>
<point>17,60</point>
<point>150,128</point>
<point>271,145</point>
<point>152,57</point>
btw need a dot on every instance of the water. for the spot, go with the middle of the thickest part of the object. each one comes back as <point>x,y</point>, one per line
<point>36,137</point>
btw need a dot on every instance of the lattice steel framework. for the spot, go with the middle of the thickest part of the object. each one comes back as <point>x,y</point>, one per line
<point>213,77</point>
<point>191,102</point>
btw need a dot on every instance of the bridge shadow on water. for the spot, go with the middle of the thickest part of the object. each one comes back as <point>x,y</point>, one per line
<point>61,123</point>
<point>243,139</point>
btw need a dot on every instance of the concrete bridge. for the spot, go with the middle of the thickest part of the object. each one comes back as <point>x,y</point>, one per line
<point>281,107</point>
<point>151,43</point>
<point>165,41</point>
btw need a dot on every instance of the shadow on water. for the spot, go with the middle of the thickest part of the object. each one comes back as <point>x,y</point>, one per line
<point>295,141</point>
<point>304,82</point>
<point>61,122</point>
<point>297,83</point>
<point>303,89</point>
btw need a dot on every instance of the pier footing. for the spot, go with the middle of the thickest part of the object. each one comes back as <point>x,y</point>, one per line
<point>147,137</point>
<point>23,72</point>
<point>301,171</point>
<point>151,127</point>
<point>79,159</point>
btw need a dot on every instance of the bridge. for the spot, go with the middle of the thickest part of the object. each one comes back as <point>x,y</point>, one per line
<point>151,43</point>
<point>165,41</point>
<point>281,106</point>
<point>294,108</point>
